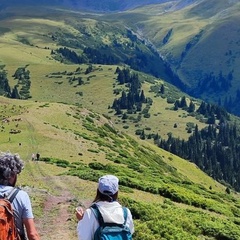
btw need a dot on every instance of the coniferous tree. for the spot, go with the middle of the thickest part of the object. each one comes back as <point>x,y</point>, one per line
<point>80,81</point>
<point>191,107</point>
<point>135,83</point>
<point>118,110</point>
<point>124,117</point>
<point>142,97</point>
<point>215,151</point>
<point>127,75</point>
<point>130,101</point>
<point>4,84</point>
<point>89,69</point>
<point>139,107</point>
<point>211,119</point>
<point>162,89</point>
<point>115,103</point>
<point>202,109</point>
<point>121,77</point>
<point>123,101</point>
<point>183,102</point>
<point>15,93</point>
<point>117,70</point>
<point>176,105</point>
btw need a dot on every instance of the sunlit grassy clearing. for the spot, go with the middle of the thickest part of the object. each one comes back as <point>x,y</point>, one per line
<point>50,129</point>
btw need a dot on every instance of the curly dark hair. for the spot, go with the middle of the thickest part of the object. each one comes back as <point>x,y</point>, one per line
<point>9,164</point>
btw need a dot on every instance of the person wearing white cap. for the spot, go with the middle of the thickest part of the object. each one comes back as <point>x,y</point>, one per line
<point>110,209</point>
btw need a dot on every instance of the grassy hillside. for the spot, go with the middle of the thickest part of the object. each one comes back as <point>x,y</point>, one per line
<point>22,46</point>
<point>80,138</point>
<point>200,42</point>
<point>156,185</point>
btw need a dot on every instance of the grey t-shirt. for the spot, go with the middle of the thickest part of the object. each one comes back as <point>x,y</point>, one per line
<point>21,205</point>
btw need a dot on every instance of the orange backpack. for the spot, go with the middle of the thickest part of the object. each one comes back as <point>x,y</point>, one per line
<point>8,230</point>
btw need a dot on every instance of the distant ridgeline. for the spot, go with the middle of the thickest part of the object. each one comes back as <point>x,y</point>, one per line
<point>215,149</point>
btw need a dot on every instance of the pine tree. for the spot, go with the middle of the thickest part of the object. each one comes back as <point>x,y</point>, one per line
<point>15,93</point>
<point>191,107</point>
<point>89,69</point>
<point>162,89</point>
<point>117,70</point>
<point>183,102</point>
<point>142,97</point>
<point>176,105</point>
<point>211,119</point>
<point>121,77</point>
<point>4,84</point>
<point>123,101</point>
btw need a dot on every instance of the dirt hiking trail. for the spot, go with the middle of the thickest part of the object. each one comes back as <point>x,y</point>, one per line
<point>55,202</point>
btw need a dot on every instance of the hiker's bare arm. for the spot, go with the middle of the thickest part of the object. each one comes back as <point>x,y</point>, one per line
<point>79,213</point>
<point>31,229</point>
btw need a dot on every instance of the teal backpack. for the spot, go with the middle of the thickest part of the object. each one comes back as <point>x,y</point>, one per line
<point>111,231</point>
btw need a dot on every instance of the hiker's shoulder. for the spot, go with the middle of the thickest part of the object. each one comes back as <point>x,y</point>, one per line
<point>108,204</point>
<point>22,195</point>
<point>23,192</point>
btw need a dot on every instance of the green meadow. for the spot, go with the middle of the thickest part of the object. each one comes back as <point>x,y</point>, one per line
<point>80,138</point>
<point>170,198</point>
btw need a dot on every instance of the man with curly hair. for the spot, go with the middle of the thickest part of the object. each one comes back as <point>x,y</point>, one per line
<point>10,166</point>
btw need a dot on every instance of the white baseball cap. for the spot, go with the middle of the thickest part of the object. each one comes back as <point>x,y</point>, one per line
<point>108,184</point>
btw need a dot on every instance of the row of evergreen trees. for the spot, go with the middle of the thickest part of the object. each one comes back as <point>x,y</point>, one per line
<point>214,149</point>
<point>22,75</point>
<point>109,55</point>
<point>132,98</point>
<point>219,83</point>
<point>5,89</point>
<point>231,103</point>
<point>89,55</point>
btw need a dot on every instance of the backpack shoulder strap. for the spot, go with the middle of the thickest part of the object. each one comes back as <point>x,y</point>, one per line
<point>97,214</point>
<point>125,215</point>
<point>12,194</point>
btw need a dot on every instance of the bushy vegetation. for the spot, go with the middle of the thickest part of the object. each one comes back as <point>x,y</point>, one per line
<point>167,220</point>
<point>186,211</point>
<point>204,212</point>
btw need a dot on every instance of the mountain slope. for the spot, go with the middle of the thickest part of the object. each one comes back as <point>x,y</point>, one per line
<point>37,69</point>
<point>67,118</point>
<point>200,42</point>
<point>197,42</point>
<point>77,146</point>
